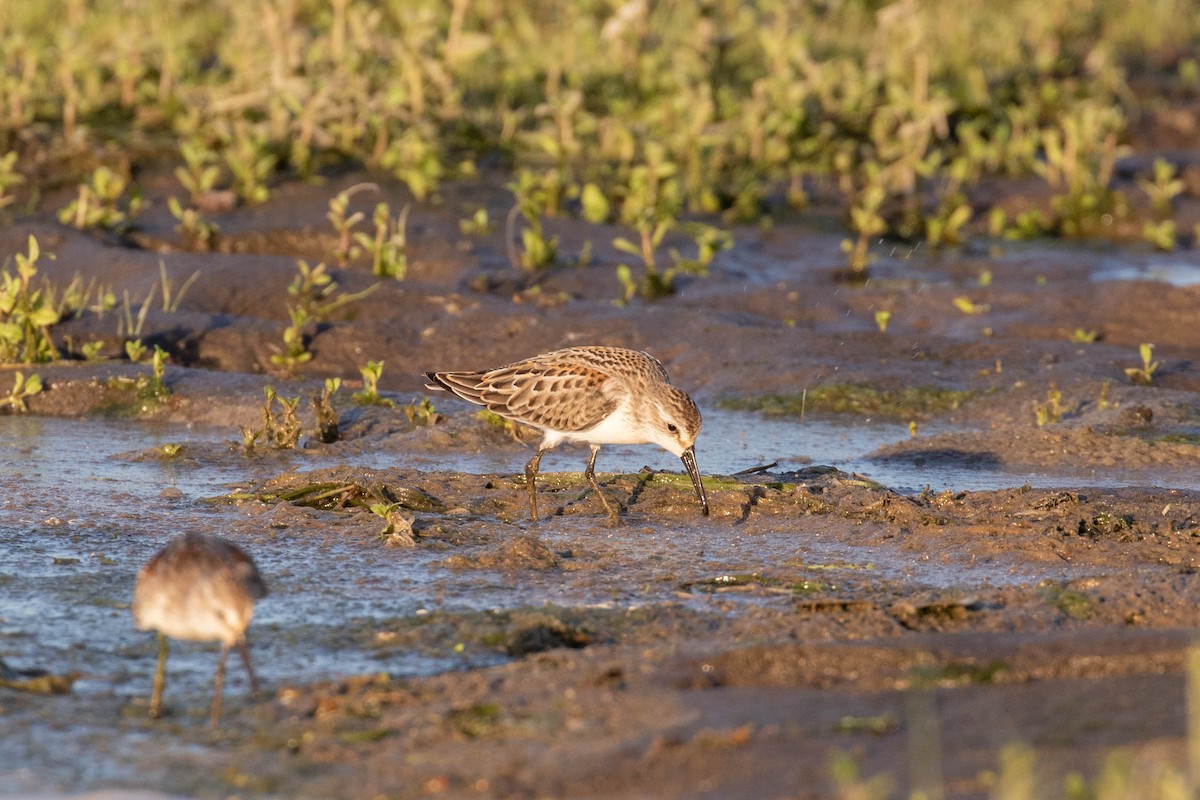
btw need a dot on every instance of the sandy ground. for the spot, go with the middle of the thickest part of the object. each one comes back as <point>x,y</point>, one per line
<point>935,629</point>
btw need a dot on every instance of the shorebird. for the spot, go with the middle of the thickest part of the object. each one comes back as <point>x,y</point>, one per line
<point>200,588</point>
<point>587,395</point>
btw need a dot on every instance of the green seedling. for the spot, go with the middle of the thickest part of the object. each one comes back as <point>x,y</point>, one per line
<point>91,350</point>
<point>102,203</point>
<point>1160,235</point>
<point>152,386</point>
<point>370,395</point>
<point>251,163</point>
<point>422,413</point>
<point>1163,189</point>
<point>26,314</point>
<point>23,388</point>
<point>280,429</point>
<point>536,196</point>
<point>201,173</point>
<point>1103,402</point>
<point>882,318</point>
<point>388,245</point>
<point>1083,336</point>
<point>1145,373</point>
<point>397,528</point>
<point>1052,410</point>
<point>478,224</point>
<point>327,417</point>
<point>315,297</point>
<point>135,350</point>
<point>867,222</point>
<point>343,225</point>
<point>196,232</point>
<point>415,158</point>
<point>171,298</point>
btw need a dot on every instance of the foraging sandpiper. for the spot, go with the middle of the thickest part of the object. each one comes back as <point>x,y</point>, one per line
<point>200,588</point>
<point>587,395</point>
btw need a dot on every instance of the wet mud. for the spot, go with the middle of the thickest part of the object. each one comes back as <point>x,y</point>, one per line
<point>423,638</point>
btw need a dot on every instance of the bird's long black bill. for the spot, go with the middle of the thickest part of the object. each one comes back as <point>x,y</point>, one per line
<point>689,461</point>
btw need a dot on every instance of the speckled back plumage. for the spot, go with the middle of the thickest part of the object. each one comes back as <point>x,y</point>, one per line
<point>565,390</point>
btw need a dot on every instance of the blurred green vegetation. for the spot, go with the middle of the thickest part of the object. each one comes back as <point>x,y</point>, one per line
<point>730,106</point>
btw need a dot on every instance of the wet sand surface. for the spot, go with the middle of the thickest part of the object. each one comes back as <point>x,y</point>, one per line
<point>1042,590</point>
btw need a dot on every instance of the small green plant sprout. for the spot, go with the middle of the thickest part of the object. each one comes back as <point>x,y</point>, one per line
<point>535,197</point>
<point>1161,235</point>
<point>201,173</point>
<point>1052,410</point>
<point>594,204</point>
<point>280,429</point>
<point>709,242</point>
<point>295,341</point>
<point>654,284</point>
<point>882,318</point>
<point>913,428</point>
<point>1084,336</point>
<point>91,350</point>
<point>500,423</point>
<point>196,232</point>
<point>415,159</point>
<point>1163,190</point>
<point>152,386</point>
<point>1145,373</point>
<point>968,306</point>
<point>985,278</point>
<point>101,203</point>
<point>343,225</point>
<point>1103,402</point>
<point>422,413</point>
<point>251,163</point>
<point>370,395</point>
<point>868,223</point>
<point>953,212</point>
<point>478,224</point>
<point>9,177</point>
<point>388,246</point>
<point>315,297</point>
<point>170,450</point>
<point>327,418</point>
<point>397,529</point>
<point>134,350</point>
<point>23,388</point>
<point>26,314</point>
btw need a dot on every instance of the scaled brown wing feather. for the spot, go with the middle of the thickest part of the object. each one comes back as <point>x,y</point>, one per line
<point>565,398</point>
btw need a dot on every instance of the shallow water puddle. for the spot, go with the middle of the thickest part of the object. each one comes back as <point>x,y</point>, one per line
<point>81,515</point>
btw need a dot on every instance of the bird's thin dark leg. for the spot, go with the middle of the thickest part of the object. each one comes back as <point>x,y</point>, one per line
<point>249,669</point>
<point>160,678</point>
<point>590,474</point>
<point>531,471</point>
<point>219,684</point>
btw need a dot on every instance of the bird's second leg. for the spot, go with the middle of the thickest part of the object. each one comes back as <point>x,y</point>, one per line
<point>160,678</point>
<point>590,474</point>
<point>219,683</point>
<point>249,669</point>
<point>531,471</point>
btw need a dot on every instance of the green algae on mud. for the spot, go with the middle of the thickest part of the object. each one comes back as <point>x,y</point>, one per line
<point>856,398</point>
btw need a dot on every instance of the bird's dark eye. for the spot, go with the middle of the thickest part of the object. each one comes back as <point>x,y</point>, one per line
<point>671,427</point>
